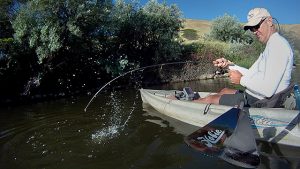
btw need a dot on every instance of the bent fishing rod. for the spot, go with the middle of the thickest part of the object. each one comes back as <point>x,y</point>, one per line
<point>131,71</point>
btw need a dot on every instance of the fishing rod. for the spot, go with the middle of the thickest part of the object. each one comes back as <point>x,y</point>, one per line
<point>131,71</point>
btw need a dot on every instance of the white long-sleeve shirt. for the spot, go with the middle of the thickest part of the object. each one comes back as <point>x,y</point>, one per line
<point>271,72</point>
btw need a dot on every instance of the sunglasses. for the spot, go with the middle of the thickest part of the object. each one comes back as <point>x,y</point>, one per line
<point>256,27</point>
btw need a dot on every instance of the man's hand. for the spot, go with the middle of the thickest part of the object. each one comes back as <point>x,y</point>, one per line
<point>235,76</point>
<point>222,63</point>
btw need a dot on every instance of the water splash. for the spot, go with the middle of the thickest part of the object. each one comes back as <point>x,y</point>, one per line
<point>106,134</point>
<point>115,123</point>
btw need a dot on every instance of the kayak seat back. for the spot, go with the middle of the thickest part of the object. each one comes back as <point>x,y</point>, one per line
<point>278,100</point>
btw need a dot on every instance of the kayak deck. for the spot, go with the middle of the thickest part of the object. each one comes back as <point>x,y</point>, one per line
<point>274,125</point>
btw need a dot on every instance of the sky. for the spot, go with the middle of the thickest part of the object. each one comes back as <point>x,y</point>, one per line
<point>285,11</point>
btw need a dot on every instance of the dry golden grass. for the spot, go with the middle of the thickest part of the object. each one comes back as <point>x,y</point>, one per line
<point>203,26</point>
<point>295,28</point>
<point>294,33</point>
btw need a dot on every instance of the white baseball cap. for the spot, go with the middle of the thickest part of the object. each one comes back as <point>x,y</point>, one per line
<point>255,16</point>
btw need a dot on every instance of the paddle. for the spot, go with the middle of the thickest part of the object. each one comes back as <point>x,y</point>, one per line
<point>228,137</point>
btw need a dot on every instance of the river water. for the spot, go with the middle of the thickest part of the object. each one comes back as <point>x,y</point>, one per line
<point>117,131</point>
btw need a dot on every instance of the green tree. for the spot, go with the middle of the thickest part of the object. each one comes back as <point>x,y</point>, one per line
<point>67,36</point>
<point>67,46</point>
<point>149,34</point>
<point>5,18</point>
<point>164,23</point>
<point>51,26</point>
<point>227,29</point>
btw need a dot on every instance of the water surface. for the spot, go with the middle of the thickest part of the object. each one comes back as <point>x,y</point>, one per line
<point>117,131</point>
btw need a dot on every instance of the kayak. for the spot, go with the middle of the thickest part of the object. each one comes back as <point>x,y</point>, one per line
<point>274,125</point>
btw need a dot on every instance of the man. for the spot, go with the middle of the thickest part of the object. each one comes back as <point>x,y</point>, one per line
<point>271,72</point>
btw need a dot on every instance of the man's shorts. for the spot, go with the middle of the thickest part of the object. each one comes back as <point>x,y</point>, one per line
<point>235,99</point>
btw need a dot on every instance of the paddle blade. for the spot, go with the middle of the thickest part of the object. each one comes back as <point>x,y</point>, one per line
<point>241,149</point>
<point>224,137</point>
<point>210,138</point>
<point>239,158</point>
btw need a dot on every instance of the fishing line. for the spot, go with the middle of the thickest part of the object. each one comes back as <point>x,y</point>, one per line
<point>131,71</point>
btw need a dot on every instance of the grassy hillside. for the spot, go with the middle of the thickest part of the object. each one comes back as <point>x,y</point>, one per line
<point>203,26</point>
<point>295,28</point>
<point>294,34</point>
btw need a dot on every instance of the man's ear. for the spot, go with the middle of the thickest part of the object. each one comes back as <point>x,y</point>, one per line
<point>270,21</point>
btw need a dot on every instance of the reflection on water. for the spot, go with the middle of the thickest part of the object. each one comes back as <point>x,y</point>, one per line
<point>115,132</point>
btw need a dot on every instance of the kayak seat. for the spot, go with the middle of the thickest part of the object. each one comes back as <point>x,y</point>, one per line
<point>278,100</point>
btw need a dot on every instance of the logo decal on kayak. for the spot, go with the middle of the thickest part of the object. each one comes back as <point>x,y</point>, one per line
<point>262,122</point>
<point>212,137</point>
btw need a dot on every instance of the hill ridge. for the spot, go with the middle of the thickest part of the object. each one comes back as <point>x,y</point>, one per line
<point>203,26</point>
